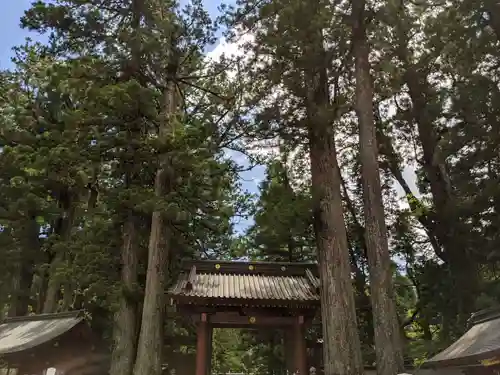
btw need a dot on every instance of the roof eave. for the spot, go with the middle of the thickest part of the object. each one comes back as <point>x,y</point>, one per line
<point>218,301</point>
<point>472,360</point>
<point>70,321</point>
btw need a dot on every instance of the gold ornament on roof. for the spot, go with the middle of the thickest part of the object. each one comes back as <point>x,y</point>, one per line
<point>251,267</point>
<point>490,361</point>
<point>217,266</point>
<point>252,320</point>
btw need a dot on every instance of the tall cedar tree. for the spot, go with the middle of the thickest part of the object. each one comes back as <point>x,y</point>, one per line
<point>298,62</point>
<point>388,347</point>
<point>126,317</point>
<point>150,345</point>
<point>342,352</point>
<point>140,78</point>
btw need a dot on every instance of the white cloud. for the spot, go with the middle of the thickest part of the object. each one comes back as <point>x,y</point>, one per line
<point>237,51</point>
<point>230,49</point>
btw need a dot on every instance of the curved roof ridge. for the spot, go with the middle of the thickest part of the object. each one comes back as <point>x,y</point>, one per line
<point>485,315</point>
<point>59,315</point>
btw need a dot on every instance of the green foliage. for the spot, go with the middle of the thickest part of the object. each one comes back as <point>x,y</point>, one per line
<point>283,220</point>
<point>79,140</point>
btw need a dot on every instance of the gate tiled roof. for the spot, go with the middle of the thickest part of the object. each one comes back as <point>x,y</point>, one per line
<point>238,281</point>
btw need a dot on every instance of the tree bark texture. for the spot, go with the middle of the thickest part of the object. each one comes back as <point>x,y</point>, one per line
<point>341,348</point>
<point>388,342</point>
<point>149,348</point>
<point>342,353</point>
<point>125,319</point>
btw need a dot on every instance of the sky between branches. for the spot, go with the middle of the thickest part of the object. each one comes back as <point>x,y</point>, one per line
<point>13,35</point>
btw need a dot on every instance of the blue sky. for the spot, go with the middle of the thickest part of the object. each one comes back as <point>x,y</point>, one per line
<point>13,35</point>
<point>10,31</point>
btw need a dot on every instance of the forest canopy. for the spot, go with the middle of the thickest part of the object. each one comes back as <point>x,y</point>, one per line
<point>126,149</point>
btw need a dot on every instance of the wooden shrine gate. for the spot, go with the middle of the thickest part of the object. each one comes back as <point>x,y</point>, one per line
<point>218,294</point>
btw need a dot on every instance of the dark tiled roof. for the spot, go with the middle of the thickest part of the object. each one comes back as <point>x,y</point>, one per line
<point>480,342</point>
<point>22,333</point>
<point>241,281</point>
<point>290,288</point>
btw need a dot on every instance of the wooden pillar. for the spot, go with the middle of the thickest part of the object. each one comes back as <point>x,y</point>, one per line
<point>289,351</point>
<point>299,345</point>
<point>210,348</point>
<point>202,345</point>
